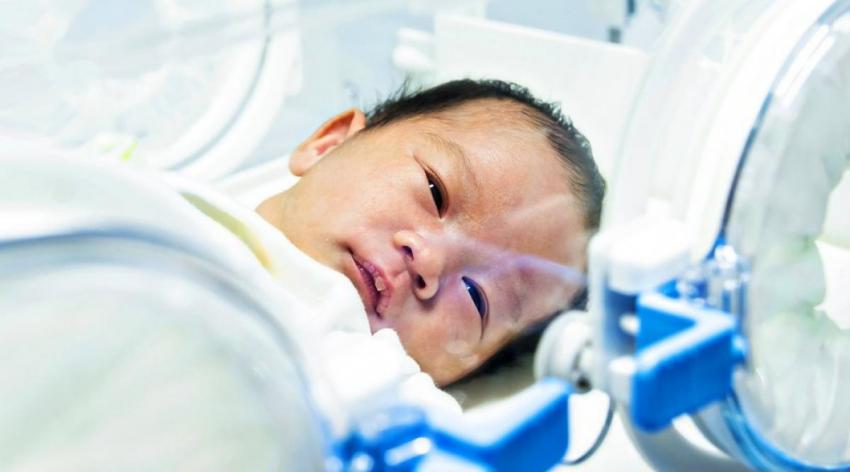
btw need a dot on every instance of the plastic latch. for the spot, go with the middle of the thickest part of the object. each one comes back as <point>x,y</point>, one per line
<point>684,360</point>
<point>651,251</point>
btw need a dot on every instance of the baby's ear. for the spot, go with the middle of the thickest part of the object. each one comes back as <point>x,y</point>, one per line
<point>330,135</point>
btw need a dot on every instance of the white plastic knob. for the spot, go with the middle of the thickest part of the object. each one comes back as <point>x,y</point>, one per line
<point>564,350</point>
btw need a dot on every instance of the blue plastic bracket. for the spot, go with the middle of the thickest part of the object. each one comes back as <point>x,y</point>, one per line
<point>684,360</point>
<point>529,431</point>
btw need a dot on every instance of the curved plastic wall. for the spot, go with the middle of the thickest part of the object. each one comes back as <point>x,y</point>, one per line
<point>788,218</point>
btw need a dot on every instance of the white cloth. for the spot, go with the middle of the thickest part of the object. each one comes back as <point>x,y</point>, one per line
<point>329,300</point>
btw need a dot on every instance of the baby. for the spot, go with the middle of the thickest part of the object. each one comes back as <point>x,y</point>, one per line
<point>460,213</point>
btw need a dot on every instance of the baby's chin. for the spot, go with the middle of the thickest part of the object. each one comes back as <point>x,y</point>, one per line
<point>444,377</point>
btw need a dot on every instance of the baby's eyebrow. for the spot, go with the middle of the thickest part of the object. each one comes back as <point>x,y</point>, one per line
<point>461,159</point>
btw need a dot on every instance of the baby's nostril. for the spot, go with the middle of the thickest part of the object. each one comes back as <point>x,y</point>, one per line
<point>408,251</point>
<point>420,282</point>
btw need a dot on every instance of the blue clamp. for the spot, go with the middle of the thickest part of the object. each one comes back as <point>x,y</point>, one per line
<point>529,431</point>
<point>684,360</point>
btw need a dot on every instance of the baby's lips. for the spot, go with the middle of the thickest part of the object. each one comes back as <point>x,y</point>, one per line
<point>382,285</point>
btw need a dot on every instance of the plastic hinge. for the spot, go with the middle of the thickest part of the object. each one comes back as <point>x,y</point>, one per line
<point>684,360</point>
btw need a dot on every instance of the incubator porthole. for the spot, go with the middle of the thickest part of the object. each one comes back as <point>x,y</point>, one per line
<point>156,81</point>
<point>788,218</point>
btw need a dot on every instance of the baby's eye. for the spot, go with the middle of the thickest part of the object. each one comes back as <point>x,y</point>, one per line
<point>477,296</point>
<point>437,193</point>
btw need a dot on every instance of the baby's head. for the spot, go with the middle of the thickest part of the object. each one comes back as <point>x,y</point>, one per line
<point>460,213</point>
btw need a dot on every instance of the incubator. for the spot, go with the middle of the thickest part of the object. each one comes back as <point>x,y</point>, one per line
<point>718,313</point>
<point>715,281</point>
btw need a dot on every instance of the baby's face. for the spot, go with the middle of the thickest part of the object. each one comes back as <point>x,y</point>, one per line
<point>458,232</point>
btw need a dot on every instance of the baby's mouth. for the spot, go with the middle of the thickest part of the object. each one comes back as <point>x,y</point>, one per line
<point>377,287</point>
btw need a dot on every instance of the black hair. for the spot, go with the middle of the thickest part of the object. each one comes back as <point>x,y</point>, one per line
<point>572,147</point>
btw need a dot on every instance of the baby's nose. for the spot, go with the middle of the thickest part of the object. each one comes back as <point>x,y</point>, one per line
<point>424,261</point>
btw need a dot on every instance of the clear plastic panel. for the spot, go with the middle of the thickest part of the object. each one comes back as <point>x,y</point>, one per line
<point>119,354</point>
<point>788,217</point>
<point>677,105</point>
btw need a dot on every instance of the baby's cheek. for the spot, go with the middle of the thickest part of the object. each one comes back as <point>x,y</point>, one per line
<point>428,337</point>
<point>440,340</point>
